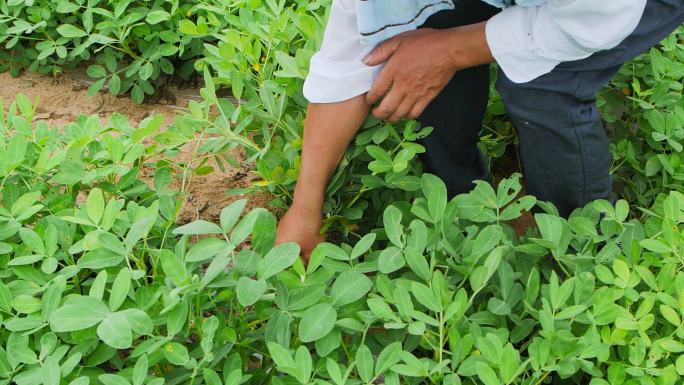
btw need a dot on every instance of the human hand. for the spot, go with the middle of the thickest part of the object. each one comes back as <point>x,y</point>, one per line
<point>302,226</point>
<point>414,74</point>
<point>419,64</point>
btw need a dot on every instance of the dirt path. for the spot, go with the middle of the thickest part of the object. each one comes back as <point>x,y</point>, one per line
<point>62,99</point>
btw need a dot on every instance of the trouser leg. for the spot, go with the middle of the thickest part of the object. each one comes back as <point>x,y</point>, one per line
<point>456,113</point>
<point>563,145</point>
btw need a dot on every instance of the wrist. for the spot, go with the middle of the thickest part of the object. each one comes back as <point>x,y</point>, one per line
<point>308,200</point>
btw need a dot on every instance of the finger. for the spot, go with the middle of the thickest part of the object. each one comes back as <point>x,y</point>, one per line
<point>380,86</point>
<point>382,52</point>
<point>418,108</point>
<point>403,110</point>
<point>388,105</point>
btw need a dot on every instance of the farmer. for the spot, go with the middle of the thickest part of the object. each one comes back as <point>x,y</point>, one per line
<point>553,56</point>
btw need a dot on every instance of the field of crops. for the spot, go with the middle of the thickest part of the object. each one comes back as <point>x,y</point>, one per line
<point>107,277</point>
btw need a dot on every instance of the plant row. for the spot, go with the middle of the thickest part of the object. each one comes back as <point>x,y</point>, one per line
<point>100,285</point>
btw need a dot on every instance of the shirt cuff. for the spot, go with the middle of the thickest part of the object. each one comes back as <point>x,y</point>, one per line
<point>518,52</point>
<point>335,81</point>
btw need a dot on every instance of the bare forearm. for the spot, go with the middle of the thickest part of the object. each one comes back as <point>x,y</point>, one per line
<point>468,46</point>
<point>328,129</point>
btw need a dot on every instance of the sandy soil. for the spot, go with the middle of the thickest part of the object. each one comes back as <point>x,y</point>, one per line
<point>62,99</point>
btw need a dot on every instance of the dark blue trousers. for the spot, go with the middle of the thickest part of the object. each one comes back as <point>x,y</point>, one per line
<point>563,145</point>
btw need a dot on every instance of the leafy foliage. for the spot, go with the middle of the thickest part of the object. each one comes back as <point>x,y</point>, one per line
<point>108,289</point>
<point>645,110</point>
<point>99,284</point>
<point>137,46</point>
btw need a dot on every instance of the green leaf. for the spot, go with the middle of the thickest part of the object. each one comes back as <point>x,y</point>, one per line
<point>187,27</point>
<point>552,230</point>
<point>120,288</point>
<point>437,200</point>
<point>68,30</point>
<point>392,221</point>
<point>331,251</point>
<point>200,227</point>
<point>680,365</point>
<point>349,287</point>
<point>112,379</point>
<point>26,304</point>
<point>66,7</point>
<point>418,263</point>
<point>249,291</point>
<point>140,370</point>
<point>246,225</point>
<point>115,331</point>
<point>304,364</point>
<point>304,297</point>
<point>364,363</point>
<point>140,322</point>
<point>50,371</point>
<point>670,315</point>
<point>216,267</point>
<point>77,314</point>
<point>278,259</point>
<point>509,363</point>
<point>387,358</point>
<point>671,345</point>
<point>146,71</point>
<point>206,248</point>
<point>18,350</point>
<point>32,240</point>
<point>288,65</point>
<point>498,307</point>
<point>655,246</point>
<point>391,260</point>
<point>211,377</point>
<point>281,356</point>
<point>53,296</point>
<point>381,309</point>
<point>157,16</point>
<point>24,202</point>
<point>173,267</point>
<point>334,371</point>
<point>139,230</point>
<point>176,353</point>
<point>96,71</point>
<point>425,296</point>
<point>137,94</point>
<point>486,374</point>
<point>570,312</point>
<point>114,84</point>
<point>621,269</point>
<point>363,245</point>
<point>231,214</point>
<point>317,322</point>
<point>95,204</point>
<point>413,368</point>
<point>97,288</point>
<point>5,298</point>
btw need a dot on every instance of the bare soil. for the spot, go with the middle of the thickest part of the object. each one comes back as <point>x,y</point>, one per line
<point>62,99</point>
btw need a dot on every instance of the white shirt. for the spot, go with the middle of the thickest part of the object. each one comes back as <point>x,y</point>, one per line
<point>525,42</point>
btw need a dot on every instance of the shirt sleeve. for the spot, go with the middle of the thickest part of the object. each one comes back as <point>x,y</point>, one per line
<point>337,72</point>
<point>530,42</point>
